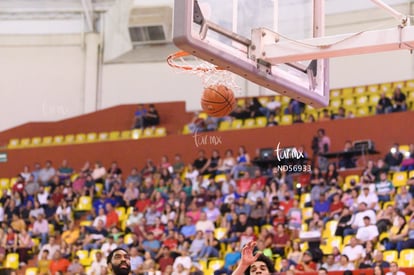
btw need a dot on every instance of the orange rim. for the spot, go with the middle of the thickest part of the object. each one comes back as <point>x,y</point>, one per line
<point>171,62</point>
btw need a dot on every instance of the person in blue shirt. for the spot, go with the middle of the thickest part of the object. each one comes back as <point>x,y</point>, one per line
<point>189,229</point>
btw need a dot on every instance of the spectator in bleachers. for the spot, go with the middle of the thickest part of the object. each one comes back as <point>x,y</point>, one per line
<point>368,173</point>
<point>329,264</point>
<point>255,107</point>
<point>325,115</point>
<point>315,193</point>
<point>357,220</point>
<point>402,198</point>
<point>178,165</point>
<point>151,117</point>
<point>51,247</point>
<point>397,234</point>
<point>17,223</point>
<point>41,229</point>
<point>408,162</point>
<point>385,218</point>
<point>369,198</point>
<point>369,232</point>
<point>271,121</point>
<point>399,100</point>
<point>47,173</point>
<point>380,167</point>
<point>43,262</point>
<point>64,172</point>
<point>384,188</point>
<point>243,162</point>
<point>99,265</point>
<point>95,236</point>
<point>227,163</point>
<point>345,264</point>
<point>280,240</point>
<point>25,174</point>
<point>75,267</point>
<point>272,107</point>
<point>108,245</point>
<point>200,162</point>
<point>311,118</point>
<point>324,145</point>
<point>394,269</point>
<point>240,112</point>
<point>32,187</point>
<point>322,206</point>
<point>331,176</point>
<point>164,258</point>
<point>379,260</point>
<point>409,242</point>
<point>307,264</point>
<point>254,195</point>
<point>394,158</point>
<point>384,105</point>
<point>354,251</point>
<point>294,107</point>
<point>340,114</point>
<point>295,255</point>
<point>409,209</point>
<point>98,173</point>
<point>184,260</point>
<point>139,116</point>
<point>212,164</point>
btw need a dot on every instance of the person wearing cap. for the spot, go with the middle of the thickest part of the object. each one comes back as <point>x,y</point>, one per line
<point>253,262</point>
<point>119,262</point>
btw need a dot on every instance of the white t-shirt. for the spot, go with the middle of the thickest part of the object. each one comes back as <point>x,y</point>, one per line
<point>184,260</point>
<point>372,198</point>
<point>354,253</point>
<point>359,218</point>
<point>367,233</point>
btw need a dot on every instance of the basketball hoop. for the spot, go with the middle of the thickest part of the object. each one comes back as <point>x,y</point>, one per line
<point>209,73</point>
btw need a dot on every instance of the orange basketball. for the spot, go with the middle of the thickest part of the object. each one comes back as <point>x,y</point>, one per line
<point>218,101</point>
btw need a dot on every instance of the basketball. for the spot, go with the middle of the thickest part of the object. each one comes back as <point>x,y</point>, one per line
<point>218,101</point>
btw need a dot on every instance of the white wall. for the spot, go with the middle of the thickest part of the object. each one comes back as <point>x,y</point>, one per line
<point>42,78</point>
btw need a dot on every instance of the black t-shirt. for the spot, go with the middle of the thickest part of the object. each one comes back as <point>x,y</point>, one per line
<point>199,163</point>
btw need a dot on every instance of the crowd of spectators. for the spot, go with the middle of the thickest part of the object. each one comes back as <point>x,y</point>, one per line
<point>173,211</point>
<point>272,108</point>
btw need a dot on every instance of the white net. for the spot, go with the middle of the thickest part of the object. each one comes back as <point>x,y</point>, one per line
<point>209,73</point>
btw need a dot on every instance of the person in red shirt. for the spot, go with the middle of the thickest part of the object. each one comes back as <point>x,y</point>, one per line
<point>143,203</point>
<point>336,207</point>
<point>18,186</point>
<point>286,204</point>
<point>111,216</point>
<point>58,264</point>
<point>280,240</point>
<point>307,264</point>
<point>165,258</point>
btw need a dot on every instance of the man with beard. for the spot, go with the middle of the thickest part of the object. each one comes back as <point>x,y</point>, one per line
<point>119,262</point>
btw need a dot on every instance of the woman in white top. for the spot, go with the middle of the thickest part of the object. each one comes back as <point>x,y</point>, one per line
<point>228,162</point>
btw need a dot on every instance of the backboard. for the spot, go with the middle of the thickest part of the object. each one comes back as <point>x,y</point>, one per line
<point>281,45</point>
<point>226,33</point>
